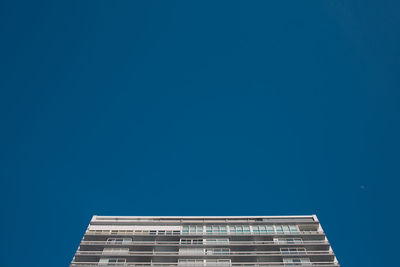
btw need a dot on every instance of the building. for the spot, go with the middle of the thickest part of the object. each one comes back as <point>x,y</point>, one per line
<point>205,241</point>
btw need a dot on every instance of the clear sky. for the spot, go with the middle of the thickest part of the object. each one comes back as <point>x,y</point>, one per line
<point>199,108</point>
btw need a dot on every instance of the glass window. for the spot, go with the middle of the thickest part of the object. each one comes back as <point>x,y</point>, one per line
<point>239,229</point>
<point>270,229</point>
<point>287,229</point>
<point>296,261</point>
<point>293,229</point>
<point>119,240</point>
<point>192,229</point>
<point>191,241</point>
<point>256,229</point>
<point>263,229</point>
<point>216,229</point>
<point>221,251</point>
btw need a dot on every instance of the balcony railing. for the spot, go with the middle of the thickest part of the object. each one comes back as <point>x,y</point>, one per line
<point>178,233</point>
<point>201,253</point>
<point>230,243</point>
<point>181,220</point>
<point>241,264</point>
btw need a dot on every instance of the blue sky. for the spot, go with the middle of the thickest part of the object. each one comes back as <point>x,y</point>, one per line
<point>199,108</point>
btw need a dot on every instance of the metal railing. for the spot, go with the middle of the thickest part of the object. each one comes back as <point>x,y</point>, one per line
<point>241,264</point>
<point>123,220</point>
<point>230,243</point>
<point>203,253</point>
<point>176,233</point>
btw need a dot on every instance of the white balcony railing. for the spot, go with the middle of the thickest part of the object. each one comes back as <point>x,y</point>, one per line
<point>217,253</point>
<point>178,233</point>
<point>241,264</point>
<point>230,243</point>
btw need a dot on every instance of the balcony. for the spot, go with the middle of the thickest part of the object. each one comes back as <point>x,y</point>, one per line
<point>241,264</point>
<point>227,253</point>
<point>178,233</point>
<point>230,243</point>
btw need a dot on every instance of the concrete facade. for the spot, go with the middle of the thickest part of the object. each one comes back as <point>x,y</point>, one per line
<point>205,241</point>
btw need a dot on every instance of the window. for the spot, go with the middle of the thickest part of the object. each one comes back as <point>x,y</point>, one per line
<point>293,251</point>
<point>112,261</point>
<point>119,240</point>
<point>216,229</point>
<point>163,232</point>
<point>288,240</point>
<point>287,229</point>
<point>263,229</point>
<point>115,232</point>
<point>201,251</point>
<point>191,241</point>
<point>239,229</point>
<point>296,261</point>
<point>160,232</point>
<point>294,229</point>
<point>217,241</point>
<point>192,229</point>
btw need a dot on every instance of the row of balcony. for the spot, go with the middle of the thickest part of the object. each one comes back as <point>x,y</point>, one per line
<point>178,233</point>
<point>241,264</point>
<point>224,253</point>
<point>123,220</point>
<point>227,243</point>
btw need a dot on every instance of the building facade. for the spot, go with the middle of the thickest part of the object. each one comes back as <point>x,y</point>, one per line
<point>205,241</point>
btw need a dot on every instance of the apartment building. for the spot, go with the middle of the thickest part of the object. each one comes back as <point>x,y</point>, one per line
<point>205,241</point>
